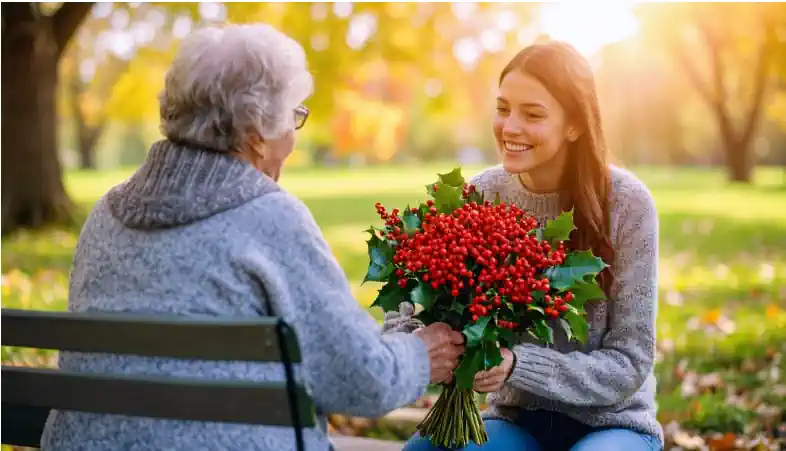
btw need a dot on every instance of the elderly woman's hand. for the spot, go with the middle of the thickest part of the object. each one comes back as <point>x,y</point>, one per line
<point>445,346</point>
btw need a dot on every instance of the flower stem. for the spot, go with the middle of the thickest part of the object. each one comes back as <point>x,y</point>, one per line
<point>454,420</point>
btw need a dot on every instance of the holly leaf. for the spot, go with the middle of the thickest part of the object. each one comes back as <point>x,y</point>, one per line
<point>380,259</point>
<point>410,221</point>
<point>452,178</point>
<point>559,228</point>
<point>578,325</point>
<point>390,297</point>
<point>476,331</point>
<point>447,198</point>
<point>497,199</point>
<point>544,332</point>
<point>574,269</point>
<point>507,337</point>
<point>536,308</point>
<point>457,307</point>
<point>423,294</point>
<point>537,296</point>
<point>566,327</point>
<point>493,355</point>
<point>472,362</point>
<point>586,291</point>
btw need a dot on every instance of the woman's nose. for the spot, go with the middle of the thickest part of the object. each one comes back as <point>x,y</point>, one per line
<point>513,127</point>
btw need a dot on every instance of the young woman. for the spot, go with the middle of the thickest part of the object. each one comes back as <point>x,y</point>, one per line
<point>601,395</point>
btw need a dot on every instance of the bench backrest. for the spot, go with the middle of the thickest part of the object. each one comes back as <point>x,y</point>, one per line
<point>29,393</point>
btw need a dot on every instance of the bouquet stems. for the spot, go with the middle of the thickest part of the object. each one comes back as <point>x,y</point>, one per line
<point>454,420</point>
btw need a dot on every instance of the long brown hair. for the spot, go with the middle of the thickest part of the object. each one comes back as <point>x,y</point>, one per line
<point>587,180</point>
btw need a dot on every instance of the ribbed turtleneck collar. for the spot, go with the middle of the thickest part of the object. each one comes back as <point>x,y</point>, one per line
<point>543,206</point>
<point>177,185</point>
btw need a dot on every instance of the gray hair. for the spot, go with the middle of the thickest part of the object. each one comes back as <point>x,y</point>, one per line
<point>227,83</point>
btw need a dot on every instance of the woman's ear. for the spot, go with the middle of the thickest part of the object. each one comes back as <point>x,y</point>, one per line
<point>573,133</point>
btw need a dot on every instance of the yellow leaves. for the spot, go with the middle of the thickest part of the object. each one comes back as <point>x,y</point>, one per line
<point>46,289</point>
<point>367,126</point>
<point>777,108</point>
<point>135,95</point>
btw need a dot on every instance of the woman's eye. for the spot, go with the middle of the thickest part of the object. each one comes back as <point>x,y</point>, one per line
<point>535,116</point>
<point>502,110</point>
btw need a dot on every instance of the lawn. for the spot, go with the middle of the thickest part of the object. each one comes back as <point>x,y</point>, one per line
<point>722,311</point>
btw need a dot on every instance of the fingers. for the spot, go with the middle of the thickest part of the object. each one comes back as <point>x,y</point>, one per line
<point>457,338</point>
<point>489,381</point>
<point>441,376</point>
<point>488,386</point>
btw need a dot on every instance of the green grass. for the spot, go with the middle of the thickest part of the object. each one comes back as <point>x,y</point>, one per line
<point>722,262</point>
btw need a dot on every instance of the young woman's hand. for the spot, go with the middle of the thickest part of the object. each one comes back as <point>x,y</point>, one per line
<point>493,379</point>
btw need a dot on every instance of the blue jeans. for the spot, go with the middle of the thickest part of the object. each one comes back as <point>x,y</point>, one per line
<point>549,431</point>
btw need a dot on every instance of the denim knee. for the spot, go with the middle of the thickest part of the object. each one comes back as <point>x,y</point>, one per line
<point>503,436</point>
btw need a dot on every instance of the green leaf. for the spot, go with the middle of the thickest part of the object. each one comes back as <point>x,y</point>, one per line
<point>559,228</point>
<point>380,259</point>
<point>566,327</point>
<point>411,222</point>
<point>493,355</point>
<point>575,267</point>
<point>507,337</point>
<point>578,325</point>
<point>537,296</point>
<point>424,295</point>
<point>536,308</point>
<point>475,332</point>
<point>583,292</point>
<point>472,362</point>
<point>543,332</point>
<point>390,297</point>
<point>452,178</point>
<point>497,199</point>
<point>447,198</point>
<point>457,307</point>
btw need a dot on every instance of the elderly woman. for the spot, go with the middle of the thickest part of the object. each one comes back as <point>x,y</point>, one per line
<point>203,229</point>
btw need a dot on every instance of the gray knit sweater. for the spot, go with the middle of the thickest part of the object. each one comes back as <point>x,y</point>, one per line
<point>609,381</point>
<point>201,234</point>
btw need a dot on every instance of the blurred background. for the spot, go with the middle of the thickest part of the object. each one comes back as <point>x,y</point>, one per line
<point>693,98</point>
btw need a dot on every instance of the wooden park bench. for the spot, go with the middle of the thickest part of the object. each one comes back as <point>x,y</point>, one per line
<point>30,393</point>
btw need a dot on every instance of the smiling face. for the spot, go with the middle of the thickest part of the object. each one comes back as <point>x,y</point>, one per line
<point>530,127</point>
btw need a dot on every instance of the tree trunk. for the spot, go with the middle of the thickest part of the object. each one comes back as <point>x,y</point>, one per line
<point>87,140</point>
<point>33,194</point>
<point>32,189</point>
<point>738,157</point>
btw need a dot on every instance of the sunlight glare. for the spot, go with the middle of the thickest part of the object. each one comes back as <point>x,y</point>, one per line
<point>589,26</point>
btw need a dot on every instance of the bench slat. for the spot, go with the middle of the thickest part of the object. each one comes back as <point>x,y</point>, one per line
<point>241,339</point>
<point>147,396</point>
<point>23,426</point>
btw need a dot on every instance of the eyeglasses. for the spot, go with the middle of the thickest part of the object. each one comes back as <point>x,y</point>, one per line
<point>301,114</point>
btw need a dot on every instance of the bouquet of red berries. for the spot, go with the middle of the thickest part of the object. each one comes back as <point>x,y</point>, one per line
<point>486,269</point>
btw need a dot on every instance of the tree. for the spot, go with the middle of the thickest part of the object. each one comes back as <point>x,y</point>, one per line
<point>32,44</point>
<point>738,44</point>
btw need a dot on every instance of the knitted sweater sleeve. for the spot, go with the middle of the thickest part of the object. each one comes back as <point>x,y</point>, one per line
<point>625,358</point>
<point>349,366</point>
